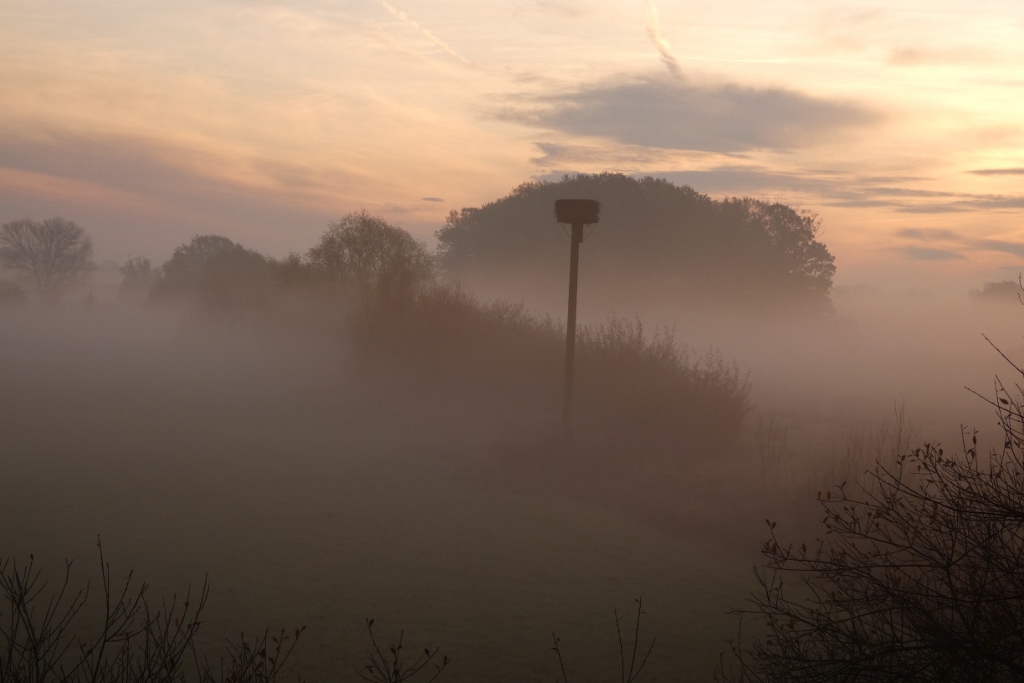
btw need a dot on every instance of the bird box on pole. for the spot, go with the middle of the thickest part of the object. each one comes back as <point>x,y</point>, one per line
<point>577,213</point>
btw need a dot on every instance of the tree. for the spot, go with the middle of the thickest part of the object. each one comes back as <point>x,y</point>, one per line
<point>138,274</point>
<point>654,240</point>
<point>372,253</point>
<point>49,254</point>
<point>920,579</point>
<point>185,267</point>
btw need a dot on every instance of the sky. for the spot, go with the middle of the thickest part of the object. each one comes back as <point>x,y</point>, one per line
<point>900,123</point>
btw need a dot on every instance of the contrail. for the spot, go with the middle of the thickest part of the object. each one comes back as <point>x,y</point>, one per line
<point>660,42</point>
<point>402,16</point>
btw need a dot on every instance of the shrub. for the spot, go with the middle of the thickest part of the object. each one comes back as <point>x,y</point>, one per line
<point>634,394</point>
<point>920,577</point>
<point>45,635</point>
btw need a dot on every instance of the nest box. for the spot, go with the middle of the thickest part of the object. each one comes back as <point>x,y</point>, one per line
<point>577,211</point>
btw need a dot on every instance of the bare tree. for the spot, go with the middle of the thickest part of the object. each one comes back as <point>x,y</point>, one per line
<point>48,254</point>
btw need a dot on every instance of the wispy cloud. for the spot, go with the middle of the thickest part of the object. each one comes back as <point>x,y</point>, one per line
<point>931,254</point>
<point>670,114</point>
<point>425,32</point>
<point>997,171</point>
<point>555,154</point>
<point>928,234</point>
<point>1015,248</point>
<point>944,244</point>
<point>924,56</point>
<point>668,58</point>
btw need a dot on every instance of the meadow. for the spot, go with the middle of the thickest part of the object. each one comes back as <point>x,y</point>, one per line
<point>315,494</point>
<point>405,461</point>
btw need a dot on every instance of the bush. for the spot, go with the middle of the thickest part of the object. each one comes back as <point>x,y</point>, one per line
<point>920,578</point>
<point>655,387</point>
<point>634,394</point>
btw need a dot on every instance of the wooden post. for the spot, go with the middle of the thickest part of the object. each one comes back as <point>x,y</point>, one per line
<point>570,325</point>
<point>576,212</point>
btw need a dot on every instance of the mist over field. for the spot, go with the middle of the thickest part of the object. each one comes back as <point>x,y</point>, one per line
<point>332,441</point>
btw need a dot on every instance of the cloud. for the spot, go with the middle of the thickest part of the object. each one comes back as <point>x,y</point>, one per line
<point>1015,248</point>
<point>661,42</point>
<point>997,171</point>
<point>928,234</point>
<point>566,9</point>
<point>954,244</point>
<point>930,254</point>
<point>553,154</point>
<point>671,114</point>
<point>426,33</point>
<point>432,199</point>
<point>965,202</point>
<point>920,56</point>
<point>150,195</point>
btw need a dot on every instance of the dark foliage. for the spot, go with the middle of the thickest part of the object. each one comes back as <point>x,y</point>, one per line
<point>654,239</point>
<point>48,255</point>
<point>636,394</point>
<point>222,274</point>
<point>369,252</point>
<point>390,667</point>
<point>190,262</point>
<point>920,578</point>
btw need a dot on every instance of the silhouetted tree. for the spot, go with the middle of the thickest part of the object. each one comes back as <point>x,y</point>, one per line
<point>372,253</point>
<point>186,265</point>
<point>138,274</point>
<point>49,254</point>
<point>920,578</point>
<point>655,239</point>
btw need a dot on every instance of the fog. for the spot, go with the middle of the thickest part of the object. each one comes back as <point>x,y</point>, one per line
<point>317,488</point>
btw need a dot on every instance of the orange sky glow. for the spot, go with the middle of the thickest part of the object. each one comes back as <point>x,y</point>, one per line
<point>900,123</point>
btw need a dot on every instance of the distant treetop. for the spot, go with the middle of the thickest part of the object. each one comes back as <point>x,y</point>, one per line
<point>48,255</point>
<point>652,234</point>
<point>1002,291</point>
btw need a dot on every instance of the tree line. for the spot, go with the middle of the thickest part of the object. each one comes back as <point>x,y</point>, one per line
<point>656,239</point>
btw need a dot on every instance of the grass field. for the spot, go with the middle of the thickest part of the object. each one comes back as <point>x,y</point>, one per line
<point>315,496</point>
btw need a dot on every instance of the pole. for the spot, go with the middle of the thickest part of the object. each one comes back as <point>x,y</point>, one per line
<point>570,326</point>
